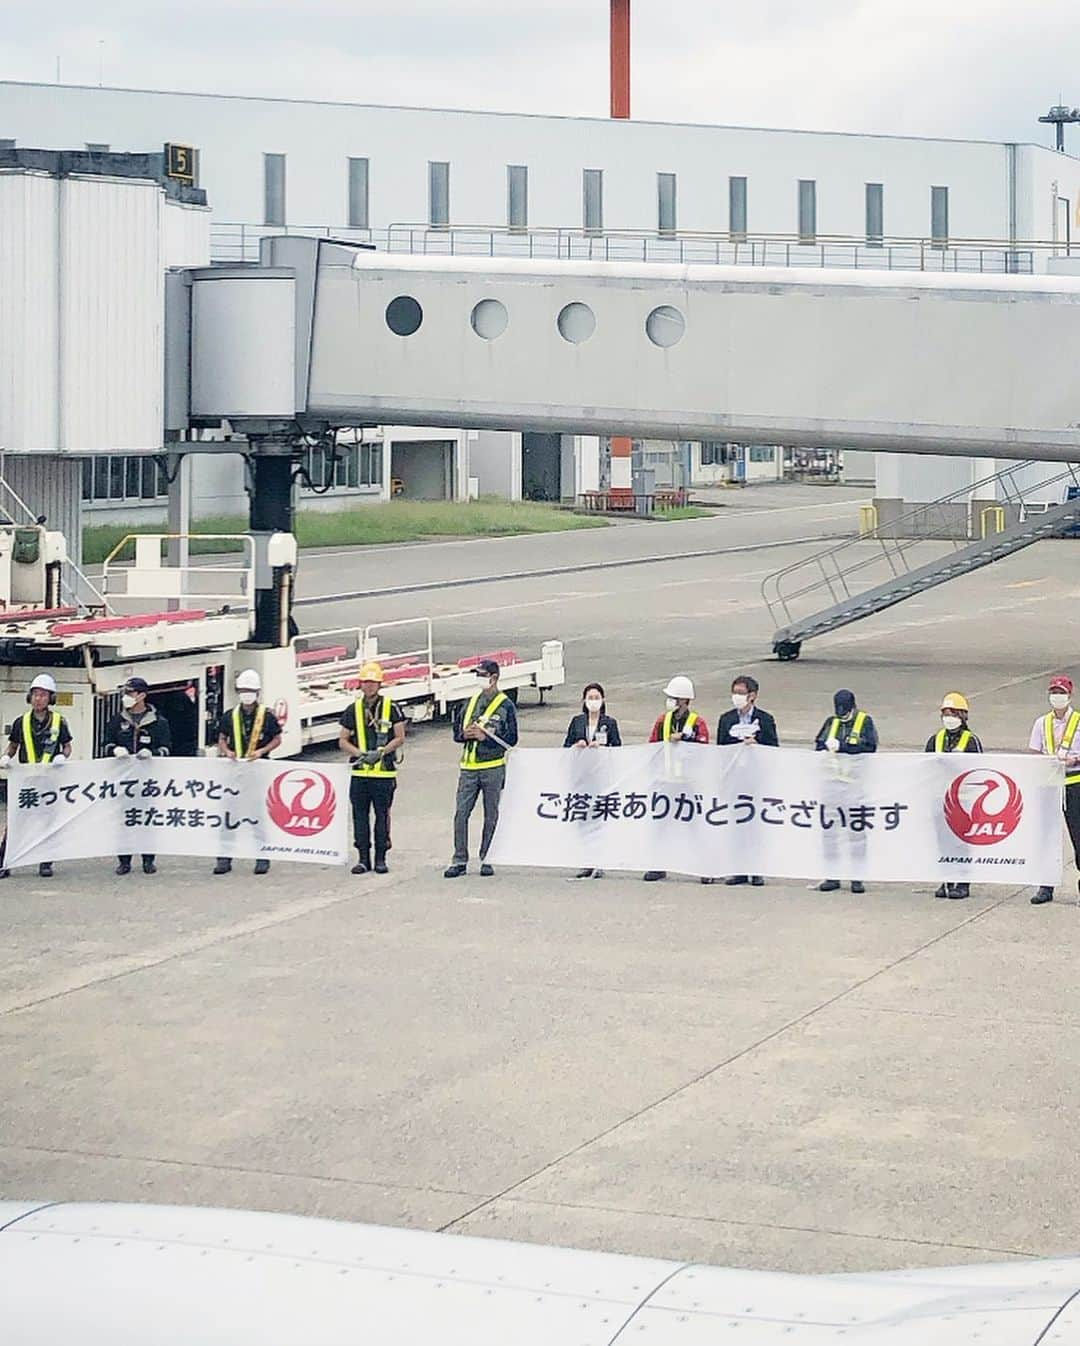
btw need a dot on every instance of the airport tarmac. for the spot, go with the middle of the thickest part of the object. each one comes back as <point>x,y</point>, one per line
<point>771,1078</point>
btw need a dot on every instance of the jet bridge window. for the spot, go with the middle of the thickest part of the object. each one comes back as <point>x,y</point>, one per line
<point>404,315</point>
<point>665,326</point>
<point>576,323</point>
<point>490,319</point>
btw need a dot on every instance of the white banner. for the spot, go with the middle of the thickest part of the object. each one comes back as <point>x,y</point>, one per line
<point>788,812</point>
<point>261,810</point>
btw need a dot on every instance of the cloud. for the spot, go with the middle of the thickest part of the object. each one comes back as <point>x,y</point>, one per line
<point>970,69</point>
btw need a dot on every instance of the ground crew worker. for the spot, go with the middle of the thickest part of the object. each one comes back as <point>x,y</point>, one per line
<point>247,732</point>
<point>851,731</point>
<point>1055,735</point>
<point>372,733</point>
<point>487,726</point>
<point>953,736</point>
<point>678,723</point>
<point>39,737</point>
<point>137,730</point>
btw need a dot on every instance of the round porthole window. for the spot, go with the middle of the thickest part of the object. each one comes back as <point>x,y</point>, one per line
<point>404,315</point>
<point>490,319</point>
<point>665,326</point>
<point>577,323</point>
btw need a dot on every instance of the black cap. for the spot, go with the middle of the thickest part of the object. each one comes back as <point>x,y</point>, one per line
<point>843,701</point>
<point>136,685</point>
<point>487,668</point>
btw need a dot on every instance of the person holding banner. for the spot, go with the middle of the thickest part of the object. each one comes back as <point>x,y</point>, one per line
<point>746,723</point>
<point>39,737</point>
<point>1055,735</point>
<point>849,731</point>
<point>954,736</point>
<point>593,728</point>
<point>137,730</point>
<point>247,732</point>
<point>487,727</point>
<point>678,723</point>
<point>372,733</point>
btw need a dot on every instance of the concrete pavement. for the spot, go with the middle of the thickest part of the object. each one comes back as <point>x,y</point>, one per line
<point>771,1078</point>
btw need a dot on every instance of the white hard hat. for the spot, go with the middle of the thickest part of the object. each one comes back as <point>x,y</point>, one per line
<point>45,681</point>
<point>248,681</point>
<point>681,688</point>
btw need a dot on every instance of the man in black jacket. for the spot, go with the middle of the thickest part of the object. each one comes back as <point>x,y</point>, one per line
<point>487,726</point>
<point>137,731</point>
<point>745,722</point>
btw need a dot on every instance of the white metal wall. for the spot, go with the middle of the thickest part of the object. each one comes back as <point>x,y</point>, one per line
<point>234,133</point>
<point>28,318</point>
<point>186,231</point>
<point>81,314</point>
<point>112,307</point>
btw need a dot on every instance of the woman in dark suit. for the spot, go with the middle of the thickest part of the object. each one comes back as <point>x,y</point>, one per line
<point>593,728</point>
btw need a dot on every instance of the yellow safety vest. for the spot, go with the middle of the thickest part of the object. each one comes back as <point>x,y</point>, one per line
<point>256,731</point>
<point>468,757</point>
<point>1066,739</point>
<point>691,720</point>
<point>385,765</point>
<point>28,737</point>
<point>856,728</point>
<point>961,742</point>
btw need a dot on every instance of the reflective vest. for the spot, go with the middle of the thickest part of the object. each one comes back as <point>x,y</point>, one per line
<point>961,742</point>
<point>238,731</point>
<point>1067,737</point>
<point>856,728</point>
<point>691,720</point>
<point>468,757</point>
<point>53,740</point>
<point>385,765</point>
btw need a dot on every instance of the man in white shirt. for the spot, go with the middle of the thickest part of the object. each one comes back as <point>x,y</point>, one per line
<point>1057,734</point>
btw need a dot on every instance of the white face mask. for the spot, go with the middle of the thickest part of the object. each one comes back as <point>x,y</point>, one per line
<point>593,705</point>
<point>248,698</point>
<point>739,700</point>
<point>951,722</point>
<point>671,703</point>
<point>1059,700</point>
<point>127,701</point>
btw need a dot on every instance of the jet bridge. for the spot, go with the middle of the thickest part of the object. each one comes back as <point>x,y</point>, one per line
<point>323,334</point>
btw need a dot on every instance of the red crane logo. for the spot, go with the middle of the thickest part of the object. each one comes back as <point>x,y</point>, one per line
<point>301,802</point>
<point>983,807</point>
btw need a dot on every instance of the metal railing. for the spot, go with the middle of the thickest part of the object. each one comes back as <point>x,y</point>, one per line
<point>952,521</point>
<point>236,243</point>
<point>135,576</point>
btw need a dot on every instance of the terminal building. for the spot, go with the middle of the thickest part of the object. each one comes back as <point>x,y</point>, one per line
<point>476,183</point>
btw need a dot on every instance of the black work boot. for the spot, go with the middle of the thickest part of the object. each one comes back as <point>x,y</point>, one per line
<point>222,866</point>
<point>262,866</point>
<point>1043,895</point>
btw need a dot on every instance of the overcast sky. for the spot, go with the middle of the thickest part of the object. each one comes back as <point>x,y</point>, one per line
<point>983,68</point>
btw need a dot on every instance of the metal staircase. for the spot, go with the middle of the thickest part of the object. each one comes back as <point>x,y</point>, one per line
<point>917,551</point>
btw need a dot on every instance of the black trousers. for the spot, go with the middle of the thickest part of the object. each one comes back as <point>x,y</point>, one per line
<point>1072,818</point>
<point>369,794</point>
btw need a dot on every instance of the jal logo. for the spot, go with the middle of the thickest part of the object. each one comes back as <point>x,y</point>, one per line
<point>983,807</point>
<point>301,802</point>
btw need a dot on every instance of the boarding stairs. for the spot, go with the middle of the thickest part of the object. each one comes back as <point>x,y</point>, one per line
<point>892,561</point>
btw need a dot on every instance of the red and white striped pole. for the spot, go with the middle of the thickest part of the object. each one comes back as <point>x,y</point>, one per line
<point>621,447</point>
